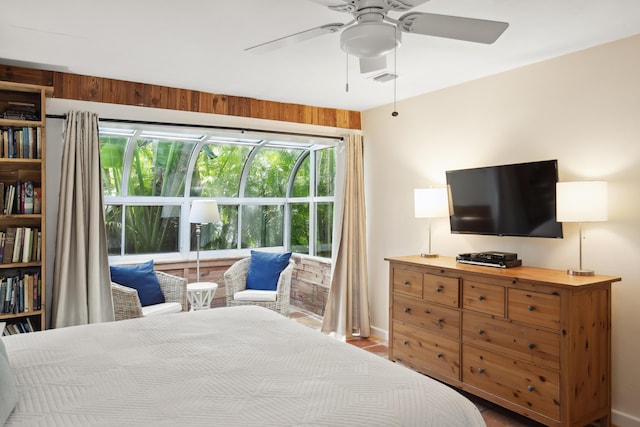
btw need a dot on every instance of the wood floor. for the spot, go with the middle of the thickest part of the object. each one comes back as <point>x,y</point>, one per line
<point>494,416</point>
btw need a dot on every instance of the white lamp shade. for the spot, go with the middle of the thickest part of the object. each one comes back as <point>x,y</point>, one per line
<point>581,201</point>
<point>431,202</point>
<point>204,212</point>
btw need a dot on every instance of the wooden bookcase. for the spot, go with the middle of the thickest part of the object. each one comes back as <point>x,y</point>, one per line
<point>22,169</point>
<point>533,340</point>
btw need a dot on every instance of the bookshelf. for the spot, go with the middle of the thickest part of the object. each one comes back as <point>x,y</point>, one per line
<point>22,206</point>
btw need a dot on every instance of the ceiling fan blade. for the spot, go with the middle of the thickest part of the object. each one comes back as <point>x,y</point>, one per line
<point>295,38</point>
<point>368,65</point>
<point>452,27</point>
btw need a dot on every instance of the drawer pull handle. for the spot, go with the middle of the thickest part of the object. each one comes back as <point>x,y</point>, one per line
<point>439,289</point>
<point>406,283</point>
<point>531,308</point>
<point>440,355</point>
<point>532,346</point>
<point>440,321</point>
<point>531,388</point>
<point>481,298</point>
<point>480,331</point>
<point>407,309</point>
<point>405,342</point>
<point>480,370</point>
<point>427,311</point>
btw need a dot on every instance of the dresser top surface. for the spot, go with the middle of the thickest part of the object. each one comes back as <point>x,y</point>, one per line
<point>559,277</point>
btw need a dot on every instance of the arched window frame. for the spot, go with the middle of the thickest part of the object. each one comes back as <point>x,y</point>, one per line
<point>308,146</point>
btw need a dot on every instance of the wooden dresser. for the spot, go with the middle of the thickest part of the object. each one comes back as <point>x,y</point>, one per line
<point>532,340</point>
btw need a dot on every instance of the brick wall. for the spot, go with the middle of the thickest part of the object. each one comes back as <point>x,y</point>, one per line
<point>310,284</point>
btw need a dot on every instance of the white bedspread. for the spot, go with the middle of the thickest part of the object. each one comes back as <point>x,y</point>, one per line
<point>240,366</point>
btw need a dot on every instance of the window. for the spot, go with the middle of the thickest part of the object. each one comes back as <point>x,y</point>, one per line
<point>270,193</point>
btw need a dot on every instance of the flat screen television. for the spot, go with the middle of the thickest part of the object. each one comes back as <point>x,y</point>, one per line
<point>506,200</point>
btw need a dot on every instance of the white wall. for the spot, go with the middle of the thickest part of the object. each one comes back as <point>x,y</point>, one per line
<point>582,109</point>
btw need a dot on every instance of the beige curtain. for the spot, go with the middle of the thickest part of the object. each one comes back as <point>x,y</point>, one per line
<point>81,282</point>
<point>347,310</point>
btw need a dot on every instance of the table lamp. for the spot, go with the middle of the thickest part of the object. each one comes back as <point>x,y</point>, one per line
<point>202,212</point>
<point>581,201</point>
<point>431,203</point>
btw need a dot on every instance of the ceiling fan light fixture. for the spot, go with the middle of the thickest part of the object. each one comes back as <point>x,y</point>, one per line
<point>370,39</point>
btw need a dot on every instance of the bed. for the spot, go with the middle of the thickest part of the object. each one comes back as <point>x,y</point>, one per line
<point>233,366</point>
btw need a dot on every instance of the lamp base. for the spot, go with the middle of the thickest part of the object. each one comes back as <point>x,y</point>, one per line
<point>424,255</point>
<point>579,272</point>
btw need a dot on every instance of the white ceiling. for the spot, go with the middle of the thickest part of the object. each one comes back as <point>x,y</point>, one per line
<point>199,44</point>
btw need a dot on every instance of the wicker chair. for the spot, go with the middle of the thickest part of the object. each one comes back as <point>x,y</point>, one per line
<point>126,304</point>
<point>235,279</point>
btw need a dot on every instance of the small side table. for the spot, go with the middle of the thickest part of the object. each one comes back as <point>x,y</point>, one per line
<point>200,295</point>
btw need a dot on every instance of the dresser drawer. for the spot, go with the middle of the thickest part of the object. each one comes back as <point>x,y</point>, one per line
<point>530,344</point>
<point>537,308</point>
<point>428,352</point>
<point>483,297</point>
<point>427,316</point>
<point>407,282</point>
<point>533,388</point>
<point>440,289</point>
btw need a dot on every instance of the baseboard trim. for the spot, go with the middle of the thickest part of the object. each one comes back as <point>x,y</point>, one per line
<point>620,419</point>
<point>381,333</point>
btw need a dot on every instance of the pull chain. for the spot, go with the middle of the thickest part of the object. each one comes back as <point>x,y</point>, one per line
<point>347,79</point>
<point>395,75</point>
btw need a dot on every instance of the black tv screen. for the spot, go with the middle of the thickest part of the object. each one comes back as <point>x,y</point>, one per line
<point>507,200</point>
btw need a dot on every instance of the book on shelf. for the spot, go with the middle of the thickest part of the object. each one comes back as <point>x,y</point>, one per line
<point>20,244</point>
<point>27,244</point>
<point>8,290</point>
<point>10,193</point>
<point>37,200</point>
<point>9,244</point>
<point>28,299</point>
<point>27,199</point>
<point>5,144</point>
<point>20,198</point>
<point>20,292</point>
<point>17,246</point>
<point>6,295</point>
<point>17,208</point>
<point>21,326</point>
<point>21,143</point>
<point>20,297</point>
<point>39,247</point>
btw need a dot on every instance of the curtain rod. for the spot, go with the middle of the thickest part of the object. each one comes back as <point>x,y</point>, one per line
<point>144,122</point>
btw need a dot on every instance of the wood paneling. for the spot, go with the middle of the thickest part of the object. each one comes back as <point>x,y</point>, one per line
<point>110,91</point>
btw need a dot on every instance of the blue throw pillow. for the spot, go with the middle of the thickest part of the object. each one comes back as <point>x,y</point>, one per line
<point>265,269</point>
<point>142,278</point>
<point>7,386</point>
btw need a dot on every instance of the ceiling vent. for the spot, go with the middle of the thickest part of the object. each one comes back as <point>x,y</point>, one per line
<point>385,77</point>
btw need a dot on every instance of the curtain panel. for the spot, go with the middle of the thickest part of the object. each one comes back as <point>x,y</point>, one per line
<point>347,311</point>
<point>81,280</point>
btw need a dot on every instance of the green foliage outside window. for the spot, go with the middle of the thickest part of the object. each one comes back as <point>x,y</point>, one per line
<point>218,170</point>
<point>256,188</point>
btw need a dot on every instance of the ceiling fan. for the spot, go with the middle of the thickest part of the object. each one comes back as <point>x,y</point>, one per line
<point>372,34</point>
